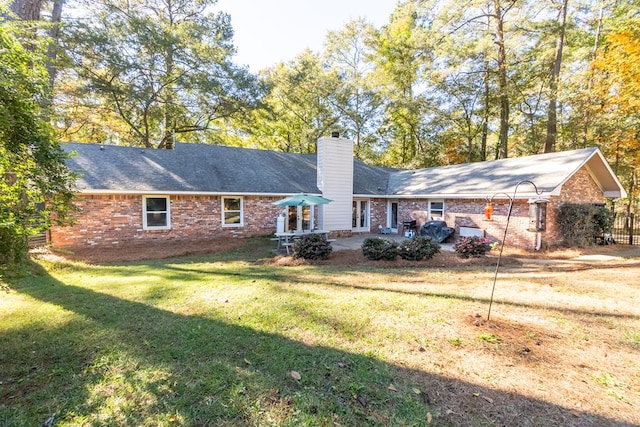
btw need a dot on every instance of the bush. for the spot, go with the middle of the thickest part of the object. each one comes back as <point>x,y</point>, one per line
<point>418,248</point>
<point>13,246</point>
<point>472,247</point>
<point>313,246</point>
<point>581,224</point>
<point>377,248</point>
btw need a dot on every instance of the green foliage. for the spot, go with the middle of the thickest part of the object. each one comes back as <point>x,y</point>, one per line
<point>581,224</point>
<point>34,181</point>
<point>472,247</point>
<point>158,68</point>
<point>379,248</point>
<point>299,107</point>
<point>313,246</point>
<point>418,248</point>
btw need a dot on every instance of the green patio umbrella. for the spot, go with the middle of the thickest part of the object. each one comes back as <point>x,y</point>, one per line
<point>303,199</point>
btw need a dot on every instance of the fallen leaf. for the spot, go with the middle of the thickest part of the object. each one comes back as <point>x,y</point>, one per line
<point>247,362</point>
<point>429,417</point>
<point>488,399</point>
<point>392,388</point>
<point>362,400</point>
<point>416,390</point>
<point>295,375</point>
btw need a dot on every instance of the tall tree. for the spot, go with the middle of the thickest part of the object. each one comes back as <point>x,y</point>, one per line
<point>499,13</point>
<point>617,112</point>
<point>552,119</point>
<point>54,35</point>
<point>299,105</point>
<point>162,66</point>
<point>29,12</point>
<point>35,185</point>
<point>400,58</point>
<point>26,10</point>
<point>358,100</point>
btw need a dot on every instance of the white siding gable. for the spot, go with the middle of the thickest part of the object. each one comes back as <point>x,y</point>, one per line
<point>335,180</point>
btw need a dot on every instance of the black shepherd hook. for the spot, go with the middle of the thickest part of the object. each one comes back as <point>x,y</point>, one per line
<point>511,200</point>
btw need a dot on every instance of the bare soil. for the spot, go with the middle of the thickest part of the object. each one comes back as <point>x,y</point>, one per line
<point>354,257</point>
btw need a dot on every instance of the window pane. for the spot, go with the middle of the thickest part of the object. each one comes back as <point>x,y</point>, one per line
<point>156,204</point>
<point>231,204</point>
<point>232,217</point>
<point>292,216</point>
<point>156,219</point>
<point>437,205</point>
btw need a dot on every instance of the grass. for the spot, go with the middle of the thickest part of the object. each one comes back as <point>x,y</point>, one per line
<point>228,339</point>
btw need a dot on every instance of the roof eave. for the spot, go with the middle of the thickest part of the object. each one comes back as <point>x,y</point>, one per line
<point>104,192</point>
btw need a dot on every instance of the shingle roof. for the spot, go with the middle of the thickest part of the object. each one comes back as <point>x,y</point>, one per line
<point>197,168</point>
<point>192,168</point>
<point>547,171</point>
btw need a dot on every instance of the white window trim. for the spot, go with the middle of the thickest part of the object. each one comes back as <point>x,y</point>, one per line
<point>144,213</point>
<point>222,211</point>
<point>443,207</point>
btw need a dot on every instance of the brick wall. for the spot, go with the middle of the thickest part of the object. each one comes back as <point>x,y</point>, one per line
<point>580,188</point>
<point>117,219</point>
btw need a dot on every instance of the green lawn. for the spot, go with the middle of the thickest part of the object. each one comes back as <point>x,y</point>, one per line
<point>225,339</point>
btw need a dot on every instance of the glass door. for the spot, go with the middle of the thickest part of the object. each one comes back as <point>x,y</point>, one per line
<point>299,218</point>
<point>360,215</point>
<point>392,216</point>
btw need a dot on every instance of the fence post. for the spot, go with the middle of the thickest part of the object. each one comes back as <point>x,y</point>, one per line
<point>631,227</point>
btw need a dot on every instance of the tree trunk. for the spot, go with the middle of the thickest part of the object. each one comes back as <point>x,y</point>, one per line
<point>486,100</point>
<point>596,46</point>
<point>552,119</point>
<point>54,33</point>
<point>503,148</point>
<point>26,10</point>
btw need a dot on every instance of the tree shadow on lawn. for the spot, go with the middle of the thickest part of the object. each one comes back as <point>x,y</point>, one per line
<point>277,277</point>
<point>122,362</point>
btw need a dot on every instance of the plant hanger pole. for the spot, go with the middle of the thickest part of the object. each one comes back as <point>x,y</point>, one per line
<point>511,200</point>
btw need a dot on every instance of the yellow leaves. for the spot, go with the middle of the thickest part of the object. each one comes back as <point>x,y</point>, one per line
<point>618,74</point>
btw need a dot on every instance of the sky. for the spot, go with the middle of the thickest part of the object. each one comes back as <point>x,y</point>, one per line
<point>272,31</point>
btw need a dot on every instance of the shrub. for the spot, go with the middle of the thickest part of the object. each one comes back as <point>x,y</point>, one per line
<point>472,247</point>
<point>418,248</point>
<point>377,248</point>
<point>581,224</point>
<point>313,246</point>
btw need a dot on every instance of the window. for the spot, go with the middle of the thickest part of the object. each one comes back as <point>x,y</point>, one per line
<point>232,212</point>
<point>156,213</point>
<point>436,210</point>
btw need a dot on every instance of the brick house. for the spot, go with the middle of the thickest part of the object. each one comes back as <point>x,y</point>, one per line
<point>193,191</point>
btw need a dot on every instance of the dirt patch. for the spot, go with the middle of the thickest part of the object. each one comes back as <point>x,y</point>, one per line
<point>352,257</point>
<point>150,250</point>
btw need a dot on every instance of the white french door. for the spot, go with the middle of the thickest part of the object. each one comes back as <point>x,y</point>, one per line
<point>392,216</point>
<point>360,215</point>
<point>299,218</point>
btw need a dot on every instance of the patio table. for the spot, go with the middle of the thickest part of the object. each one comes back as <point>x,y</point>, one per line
<point>286,239</point>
